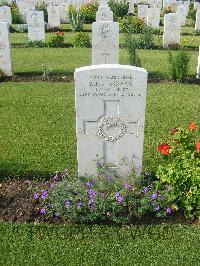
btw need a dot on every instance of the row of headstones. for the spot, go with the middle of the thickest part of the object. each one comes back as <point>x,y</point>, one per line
<point>114,131</point>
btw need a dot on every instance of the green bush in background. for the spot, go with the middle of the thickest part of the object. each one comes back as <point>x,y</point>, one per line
<point>42,7</point>
<point>119,9</point>
<point>81,39</point>
<point>131,24</point>
<point>88,11</point>
<point>76,19</point>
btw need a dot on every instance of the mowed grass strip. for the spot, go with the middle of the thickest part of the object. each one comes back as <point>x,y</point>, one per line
<point>28,244</point>
<point>63,61</point>
<point>37,134</point>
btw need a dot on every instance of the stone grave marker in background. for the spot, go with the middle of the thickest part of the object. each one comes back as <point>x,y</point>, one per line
<point>153,17</point>
<point>36,26</point>
<point>131,6</point>
<point>142,12</point>
<point>64,17</point>
<point>198,66</point>
<point>53,16</point>
<point>172,29</point>
<point>181,13</point>
<point>197,23</point>
<point>105,38</point>
<point>110,117</point>
<point>5,14</point>
<point>5,51</point>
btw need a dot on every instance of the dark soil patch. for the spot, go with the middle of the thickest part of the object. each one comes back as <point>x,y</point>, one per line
<point>18,205</point>
<point>31,78</point>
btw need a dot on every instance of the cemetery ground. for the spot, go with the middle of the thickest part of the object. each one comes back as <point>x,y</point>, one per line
<point>38,138</point>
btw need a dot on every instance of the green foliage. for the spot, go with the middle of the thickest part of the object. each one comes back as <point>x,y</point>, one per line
<point>81,39</point>
<point>192,13</point>
<point>131,24</point>
<point>76,19</point>
<point>16,16</point>
<point>1,75</point>
<point>19,28</point>
<point>197,32</point>
<point>168,9</point>
<point>42,7</point>
<point>36,44</point>
<point>88,12</point>
<point>56,40</point>
<point>145,40</point>
<point>4,3</point>
<point>131,48</point>
<point>180,169</point>
<point>179,65</point>
<point>119,9</point>
<point>105,197</point>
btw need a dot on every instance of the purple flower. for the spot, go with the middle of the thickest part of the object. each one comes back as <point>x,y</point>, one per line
<point>169,210</point>
<point>43,211</point>
<point>45,193</point>
<point>36,196</point>
<point>89,183</point>
<point>92,206</point>
<point>127,186</point>
<point>163,197</point>
<point>154,196</point>
<point>55,177</point>
<point>110,178</point>
<point>91,192</point>
<point>91,200</point>
<point>157,208</point>
<point>119,197</point>
<point>52,185</point>
<point>67,203</point>
<point>79,204</point>
<point>146,190</point>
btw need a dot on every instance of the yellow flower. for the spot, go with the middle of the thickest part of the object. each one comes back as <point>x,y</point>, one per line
<point>174,207</point>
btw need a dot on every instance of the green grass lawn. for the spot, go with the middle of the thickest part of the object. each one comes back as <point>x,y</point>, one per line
<point>37,135</point>
<point>24,244</point>
<point>65,60</point>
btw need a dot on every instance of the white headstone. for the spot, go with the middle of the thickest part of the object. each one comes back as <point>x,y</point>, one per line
<point>5,14</point>
<point>64,18</point>
<point>53,16</point>
<point>105,43</point>
<point>181,12</point>
<point>104,14</point>
<point>196,5</point>
<point>110,117</point>
<point>36,26</point>
<point>197,24</point>
<point>198,66</point>
<point>172,30</point>
<point>131,6</point>
<point>153,17</point>
<point>5,52</point>
<point>142,12</point>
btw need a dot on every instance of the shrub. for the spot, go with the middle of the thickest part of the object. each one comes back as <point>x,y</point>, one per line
<point>132,24</point>
<point>56,40</point>
<point>197,32</point>
<point>180,168</point>
<point>131,46</point>
<point>76,19</point>
<point>42,7</point>
<point>81,39</point>
<point>88,12</point>
<point>179,65</point>
<point>20,28</point>
<point>119,9</point>
<point>105,197</point>
<point>1,75</point>
<point>16,16</point>
<point>36,44</point>
<point>168,9</point>
<point>145,40</point>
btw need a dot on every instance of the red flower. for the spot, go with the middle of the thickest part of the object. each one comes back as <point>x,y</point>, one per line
<point>198,146</point>
<point>164,148</point>
<point>174,131</point>
<point>193,126</point>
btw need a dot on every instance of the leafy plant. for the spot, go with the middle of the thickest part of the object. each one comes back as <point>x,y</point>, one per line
<point>76,19</point>
<point>145,40</point>
<point>46,71</point>
<point>16,16</point>
<point>105,197</point>
<point>131,24</point>
<point>197,32</point>
<point>56,40</point>
<point>81,39</point>
<point>179,65</point>
<point>1,75</point>
<point>37,44</point>
<point>119,9</point>
<point>20,28</point>
<point>180,168</point>
<point>88,12</point>
<point>131,45</point>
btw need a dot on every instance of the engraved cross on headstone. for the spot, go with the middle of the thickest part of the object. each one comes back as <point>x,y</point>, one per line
<point>105,56</point>
<point>110,148</point>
